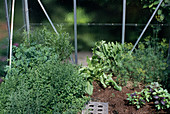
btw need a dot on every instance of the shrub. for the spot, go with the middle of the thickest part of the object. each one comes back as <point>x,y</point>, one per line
<point>39,81</point>
<point>58,43</point>
<point>48,87</point>
<point>151,56</point>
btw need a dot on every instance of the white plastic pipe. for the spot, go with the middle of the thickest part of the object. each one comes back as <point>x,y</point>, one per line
<point>11,35</point>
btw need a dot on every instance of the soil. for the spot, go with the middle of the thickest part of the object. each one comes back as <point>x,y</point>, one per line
<point>118,103</point>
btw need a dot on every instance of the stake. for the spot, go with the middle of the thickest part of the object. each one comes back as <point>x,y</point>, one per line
<point>123,25</point>
<point>26,17</point>
<point>8,26</point>
<point>7,17</point>
<point>75,31</point>
<point>48,17</point>
<point>12,23</point>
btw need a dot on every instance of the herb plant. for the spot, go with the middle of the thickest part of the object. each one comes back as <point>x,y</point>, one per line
<point>136,99</point>
<point>40,81</point>
<point>58,43</point>
<point>151,93</point>
<point>48,87</point>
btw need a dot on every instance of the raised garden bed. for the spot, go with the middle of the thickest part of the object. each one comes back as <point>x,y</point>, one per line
<point>117,100</point>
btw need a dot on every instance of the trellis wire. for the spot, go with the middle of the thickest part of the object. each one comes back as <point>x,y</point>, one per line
<point>100,24</point>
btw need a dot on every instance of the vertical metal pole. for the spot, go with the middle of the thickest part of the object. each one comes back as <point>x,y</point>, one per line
<point>48,17</point>
<point>75,31</point>
<point>123,21</point>
<point>8,26</point>
<point>12,23</point>
<point>147,25</point>
<point>23,11</point>
<point>7,17</point>
<point>26,16</point>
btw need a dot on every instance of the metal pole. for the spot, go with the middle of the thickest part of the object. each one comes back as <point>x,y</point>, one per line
<point>75,31</point>
<point>27,17</point>
<point>8,26</point>
<point>12,23</point>
<point>23,11</point>
<point>7,17</point>
<point>48,17</point>
<point>123,21</point>
<point>147,25</point>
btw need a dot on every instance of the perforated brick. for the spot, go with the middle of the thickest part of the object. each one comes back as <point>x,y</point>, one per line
<point>96,108</point>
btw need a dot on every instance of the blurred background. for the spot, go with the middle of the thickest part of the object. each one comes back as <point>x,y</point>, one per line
<point>97,20</point>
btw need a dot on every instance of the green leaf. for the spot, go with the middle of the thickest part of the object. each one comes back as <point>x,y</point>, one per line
<point>145,6</point>
<point>159,12</point>
<point>89,88</point>
<point>150,5</point>
<point>138,106</point>
<point>100,54</point>
<point>156,2</point>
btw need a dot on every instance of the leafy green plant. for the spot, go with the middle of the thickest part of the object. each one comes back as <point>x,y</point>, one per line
<point>151,93</point>
<point>147,64</point>
<point>136,99</point>
<point>39,80</point>
<point>59,44</point>
<point>151,56</point>
<point>154,92</point>
<point>47,87</point>
<point>152,4</point>
<point>106,57</point>
<point>149,61</point>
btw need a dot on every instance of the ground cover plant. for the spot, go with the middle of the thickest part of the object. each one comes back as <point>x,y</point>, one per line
<point>40,80</point>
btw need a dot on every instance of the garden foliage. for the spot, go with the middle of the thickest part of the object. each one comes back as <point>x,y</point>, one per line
<point>163,10</point>
<point>151,93</point>
<point>147,64</point>
<point>58,43</point>
<point>39,81</point>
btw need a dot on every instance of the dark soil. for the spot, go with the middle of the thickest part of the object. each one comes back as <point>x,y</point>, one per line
<point>118,103</point>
